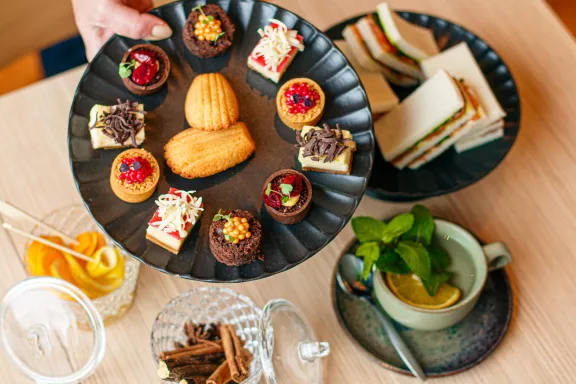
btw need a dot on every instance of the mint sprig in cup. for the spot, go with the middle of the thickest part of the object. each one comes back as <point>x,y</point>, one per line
<point>402,246</point>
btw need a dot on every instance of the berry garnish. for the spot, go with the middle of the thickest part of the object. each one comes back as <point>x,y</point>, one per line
<point>144,56</point>
<point>144,73</point>
<point>296,182</point>
<point>272,199</point>
<point>135,170</point>
<point>300,98</point>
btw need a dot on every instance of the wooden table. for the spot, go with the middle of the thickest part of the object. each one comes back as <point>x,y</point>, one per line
<point>528,202</point>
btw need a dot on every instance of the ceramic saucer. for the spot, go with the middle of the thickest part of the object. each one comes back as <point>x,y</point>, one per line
<point>441,353</point>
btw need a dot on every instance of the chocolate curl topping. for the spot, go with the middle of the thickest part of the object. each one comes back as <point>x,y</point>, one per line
<point>322,142</point>
<point>122,123</point>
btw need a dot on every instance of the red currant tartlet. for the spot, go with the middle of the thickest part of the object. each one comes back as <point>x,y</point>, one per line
<point>144,69</point>
<point>287,196</point>
<point>134,175</point>
<point>300,102</point>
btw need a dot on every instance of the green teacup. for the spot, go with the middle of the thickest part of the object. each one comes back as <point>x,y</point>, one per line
<point>470,263</point>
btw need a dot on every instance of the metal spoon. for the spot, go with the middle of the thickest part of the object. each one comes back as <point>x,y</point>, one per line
<point>349,271</point>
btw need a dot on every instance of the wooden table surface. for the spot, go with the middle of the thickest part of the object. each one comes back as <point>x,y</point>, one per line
<point>529,202</point>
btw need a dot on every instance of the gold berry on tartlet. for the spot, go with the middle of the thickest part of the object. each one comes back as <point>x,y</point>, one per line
<point>237,229</point>
<point>207,28</point>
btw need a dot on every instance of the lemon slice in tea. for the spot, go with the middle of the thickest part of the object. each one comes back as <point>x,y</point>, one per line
<point>410,290</point>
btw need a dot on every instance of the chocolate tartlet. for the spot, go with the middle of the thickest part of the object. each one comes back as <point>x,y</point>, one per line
<point>287,196</point>
<point>208,31</point>
<point>232,242</point>
<point>144,69</point>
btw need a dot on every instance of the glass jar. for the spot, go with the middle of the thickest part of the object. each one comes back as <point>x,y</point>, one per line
<point>283,345</point>
<point>73,220</point>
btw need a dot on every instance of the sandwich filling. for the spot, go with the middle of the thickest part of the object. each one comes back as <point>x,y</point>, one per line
<point>452,128</point>
<point>387,45</point>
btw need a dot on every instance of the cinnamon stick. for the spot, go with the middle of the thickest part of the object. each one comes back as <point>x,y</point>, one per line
<point>221,375</point>
<point>234,353</point>
<point>213,358</point>
<point>166,372</point>
<point>197,350</point>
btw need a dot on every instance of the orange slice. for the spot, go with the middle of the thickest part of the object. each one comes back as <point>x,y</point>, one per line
<point>40,257</point>
<point>104,261</point>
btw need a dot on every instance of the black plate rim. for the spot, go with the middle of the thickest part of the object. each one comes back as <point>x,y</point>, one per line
<point>334,287</point>
<point>264,275</point>
<point>415,196</point>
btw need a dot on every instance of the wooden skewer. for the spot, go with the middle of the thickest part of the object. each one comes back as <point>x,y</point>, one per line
<point>17,213</point>
<point>47,242</point>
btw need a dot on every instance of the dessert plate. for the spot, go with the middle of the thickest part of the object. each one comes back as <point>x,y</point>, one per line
<point>451,171</point>
<point>335,197</point>
<point>440,353</point>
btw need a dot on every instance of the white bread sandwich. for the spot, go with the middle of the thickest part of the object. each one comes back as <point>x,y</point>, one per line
<point>381,97</point>
<point>397,44</point>
<point>428,122</point>
<point>363,56</point>
<point>460,63</point>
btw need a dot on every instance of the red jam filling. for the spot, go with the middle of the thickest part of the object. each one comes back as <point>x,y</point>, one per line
<point>148,68</point>
<point>301,98</point>
<point>135,170</point>
<point>274,198</point>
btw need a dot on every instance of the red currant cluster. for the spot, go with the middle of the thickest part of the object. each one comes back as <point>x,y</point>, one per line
<point>148,68</point>
<point>300,98</point>
<point>135,170</point>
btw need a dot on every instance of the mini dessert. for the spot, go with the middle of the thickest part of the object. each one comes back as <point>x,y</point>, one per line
<point>235,237</point>
<point>134,175</point>
<point>117,126</point>
<point>208,32</point>
<point>194,153</point>
<point>177,213</point>
<point>144,69</point>
<point>287,196</point>
<point>275,51</point>
<point>325,150</point>
<point>300,102</point>
<point>211,104</point>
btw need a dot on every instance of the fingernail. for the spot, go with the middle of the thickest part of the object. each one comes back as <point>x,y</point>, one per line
<point>160,32</point>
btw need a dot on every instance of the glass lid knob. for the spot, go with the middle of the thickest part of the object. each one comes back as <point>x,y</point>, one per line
<point>288,347</point>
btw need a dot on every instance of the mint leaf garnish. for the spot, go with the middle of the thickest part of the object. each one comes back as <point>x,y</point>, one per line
<point>285,199</point>
<point>210,18</point>
<point>439,259</point>
<point>229,238</point>
<point>397,227</point>
<point>268,189</point>
<point>220,216</point>
<point>435,281</point>
<point>370,252</point>
<point>368,229</point>
<point>415,256</point>
<point>389,261</point>
<point>286,189</point>
<point>423,227</point>
<point>125,69</point>
<point>221,34</point>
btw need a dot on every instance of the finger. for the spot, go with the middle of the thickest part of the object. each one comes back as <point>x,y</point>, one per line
<point>94,39</point>
<point>130,23</point>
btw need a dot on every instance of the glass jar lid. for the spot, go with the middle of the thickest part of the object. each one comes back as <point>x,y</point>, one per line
<point>288,348</point>
<point>40,334</point>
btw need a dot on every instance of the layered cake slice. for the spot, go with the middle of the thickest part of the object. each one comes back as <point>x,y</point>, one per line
<point>117,126</point>
<point>177,213</point>
<point>275,51</point>
<point>326,150</point>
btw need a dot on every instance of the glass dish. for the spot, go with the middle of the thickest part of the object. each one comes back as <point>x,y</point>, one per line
<point>73,220</point>
<point>209,305</point>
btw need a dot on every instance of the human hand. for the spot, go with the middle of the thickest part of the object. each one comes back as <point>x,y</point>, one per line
<point>98,20</point>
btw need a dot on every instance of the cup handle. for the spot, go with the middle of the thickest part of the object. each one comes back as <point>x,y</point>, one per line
<point>498,255</point>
